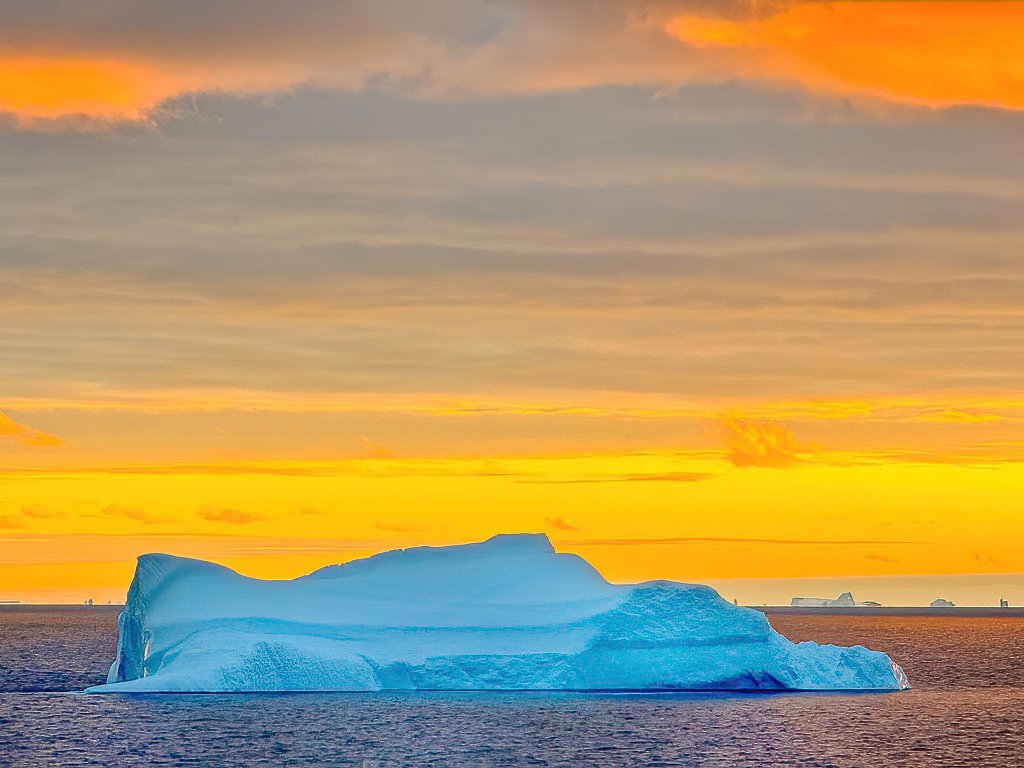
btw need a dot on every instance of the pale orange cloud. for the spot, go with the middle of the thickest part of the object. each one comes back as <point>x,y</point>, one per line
<point>107,87</point>
<point>51,87</point>
<point>39,511</point>
<point>374,450</point>
<point>759,443</point>
<point>25,435</point>
<point>560,524</point>
<point>227,515</point>
<point>934,53</point>
<point>138,514</point>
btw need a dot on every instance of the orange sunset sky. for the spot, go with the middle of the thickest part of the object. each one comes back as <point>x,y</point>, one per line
<point>711,290</point>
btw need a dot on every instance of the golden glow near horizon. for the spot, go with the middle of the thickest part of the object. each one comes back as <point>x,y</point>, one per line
<point>748,500</point>
<point>725,294</point>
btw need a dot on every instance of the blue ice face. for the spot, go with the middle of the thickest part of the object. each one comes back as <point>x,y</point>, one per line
<point>504,614</point>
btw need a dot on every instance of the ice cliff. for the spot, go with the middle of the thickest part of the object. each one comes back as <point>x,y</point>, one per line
<point>506,613</point>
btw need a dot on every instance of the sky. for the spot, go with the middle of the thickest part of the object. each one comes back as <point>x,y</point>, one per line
<point>711,290</point>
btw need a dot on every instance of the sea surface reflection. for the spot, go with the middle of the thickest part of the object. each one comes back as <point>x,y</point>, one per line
<point>966,708</point>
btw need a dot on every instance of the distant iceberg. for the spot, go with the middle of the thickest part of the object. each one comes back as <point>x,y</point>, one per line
<point>504,614</point>
<point>845,600</point>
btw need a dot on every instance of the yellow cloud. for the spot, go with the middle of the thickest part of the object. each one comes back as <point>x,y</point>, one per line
<point>138,514</point>
<point>38,511</point>
<point>949,407</point>
<point>26,435</point>
<point>559,524</point>
<point>374,450</point>
<point>933,53</point>
<point>227,515</point>
<point>759,443</point>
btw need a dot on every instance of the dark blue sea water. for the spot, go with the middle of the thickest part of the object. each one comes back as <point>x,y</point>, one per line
<point>966,709</point>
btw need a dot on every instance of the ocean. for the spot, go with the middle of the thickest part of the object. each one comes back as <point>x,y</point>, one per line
<point>966,709</point>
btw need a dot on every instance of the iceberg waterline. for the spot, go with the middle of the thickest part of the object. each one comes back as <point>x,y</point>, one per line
<point>504,614</point>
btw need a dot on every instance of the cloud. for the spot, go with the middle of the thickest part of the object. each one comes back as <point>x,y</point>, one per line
<point>758,443</point>
<point>118,58</point>
<point>881,558</point>
<point>374,450</point>
<point>123,59</point>
<point>39,511</point>
<point>706,213</point>
<point>559,524</point>
<point>919,52</point>
<point>138,514</point>
<point>623,542</point>
<point>227,515</point>
<point>28,512</point>
<point>25,435</point>
<point>989,560</point>
<point>326,249</point>
<point>12,522</point>
<point>655,477</point>
<point>668,477</point>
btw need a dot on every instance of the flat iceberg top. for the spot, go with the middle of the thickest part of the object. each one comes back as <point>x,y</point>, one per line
<point>509,579</point>
<point>506,613</point>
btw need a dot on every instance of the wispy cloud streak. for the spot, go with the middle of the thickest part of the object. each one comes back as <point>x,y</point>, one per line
<point>25,435</point>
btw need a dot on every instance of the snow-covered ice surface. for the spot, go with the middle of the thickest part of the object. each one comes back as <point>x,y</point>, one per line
<point>504,614</point>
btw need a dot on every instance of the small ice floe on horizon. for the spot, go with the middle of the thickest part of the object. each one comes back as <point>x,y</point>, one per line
<point>845,600</point>
<point>504,614</point>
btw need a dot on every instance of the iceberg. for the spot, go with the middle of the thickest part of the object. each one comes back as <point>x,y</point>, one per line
<point>508,613</point>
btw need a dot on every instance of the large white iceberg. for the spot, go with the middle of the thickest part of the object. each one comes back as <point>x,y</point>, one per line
<point>504,614</point>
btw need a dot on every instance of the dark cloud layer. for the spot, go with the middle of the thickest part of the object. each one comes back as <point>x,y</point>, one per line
<point>196,28</point>
<point>715,241</point>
